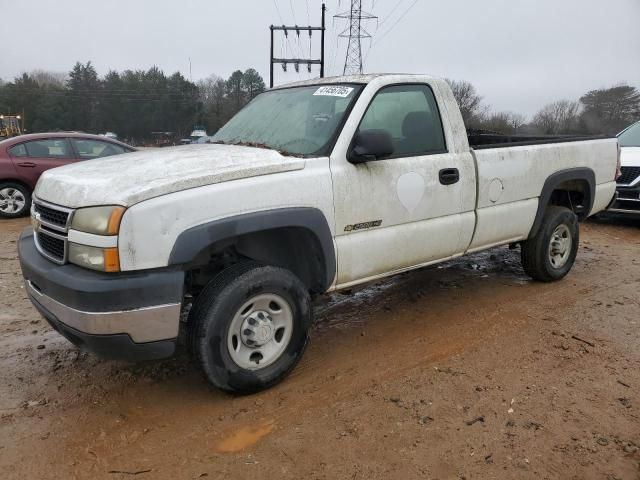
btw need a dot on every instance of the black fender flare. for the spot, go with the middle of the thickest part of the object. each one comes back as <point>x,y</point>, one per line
<point>193,241</point>
<point>552,182</point>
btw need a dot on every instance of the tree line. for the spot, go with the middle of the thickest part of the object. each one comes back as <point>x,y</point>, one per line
<point>132,103</point>
<point>600,111</point>
<point>136,103</point>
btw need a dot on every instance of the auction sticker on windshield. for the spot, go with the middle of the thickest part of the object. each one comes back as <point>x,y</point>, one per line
<point>334,91</point>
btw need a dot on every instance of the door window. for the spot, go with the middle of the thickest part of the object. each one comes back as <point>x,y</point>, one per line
<point>18,150</point>
<point>88,149</point>
<point>410,114</point>
<point>49,148</point>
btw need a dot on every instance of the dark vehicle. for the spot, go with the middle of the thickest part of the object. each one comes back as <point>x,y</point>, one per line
<point>24,158</point>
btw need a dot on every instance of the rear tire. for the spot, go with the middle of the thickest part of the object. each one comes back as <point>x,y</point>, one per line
<point>550,254</point>
<point>249,326</point>
<point>15,200</point>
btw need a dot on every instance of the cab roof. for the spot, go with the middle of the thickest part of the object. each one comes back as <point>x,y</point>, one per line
<point>362,79</point>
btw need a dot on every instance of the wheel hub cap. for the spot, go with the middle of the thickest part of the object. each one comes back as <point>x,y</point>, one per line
<point>260,331</point>
<point>560,246</point>
<point>11,200</point>
<point>257,329</point>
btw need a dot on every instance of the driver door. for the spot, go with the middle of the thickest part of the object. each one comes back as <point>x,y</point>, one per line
<point>411,208</point>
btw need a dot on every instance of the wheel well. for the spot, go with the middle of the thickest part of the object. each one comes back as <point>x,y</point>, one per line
<point>574,195</point>
<point>295,248</point>
<point>19,182</point>
<point>573,188</point>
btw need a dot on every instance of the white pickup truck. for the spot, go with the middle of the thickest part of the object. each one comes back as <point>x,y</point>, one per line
<point>313,187</point>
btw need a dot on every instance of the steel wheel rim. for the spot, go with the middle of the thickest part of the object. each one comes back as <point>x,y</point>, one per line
<point>11,200</point>
<point>260,331</point>
<point>560,246</point>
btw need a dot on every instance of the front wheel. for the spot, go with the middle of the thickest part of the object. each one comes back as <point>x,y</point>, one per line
<point>551,253</point>
<point>249,326</point>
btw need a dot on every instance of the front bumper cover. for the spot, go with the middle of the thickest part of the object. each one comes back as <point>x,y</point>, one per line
<point>129,316</point>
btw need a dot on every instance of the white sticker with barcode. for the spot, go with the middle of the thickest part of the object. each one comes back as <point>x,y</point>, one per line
<point>334,91</point>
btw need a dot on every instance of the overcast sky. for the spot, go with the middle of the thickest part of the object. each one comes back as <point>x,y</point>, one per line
<point>519,54</point>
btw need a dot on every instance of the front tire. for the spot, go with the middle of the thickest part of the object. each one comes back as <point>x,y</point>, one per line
<point>249,326</point>
<point>15,200</point>
<point>550,254</point>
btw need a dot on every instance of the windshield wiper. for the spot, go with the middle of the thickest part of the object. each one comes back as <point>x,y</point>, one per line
<point>259,145</point>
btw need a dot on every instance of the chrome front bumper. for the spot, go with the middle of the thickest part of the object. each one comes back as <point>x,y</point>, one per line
<point>148,324</point>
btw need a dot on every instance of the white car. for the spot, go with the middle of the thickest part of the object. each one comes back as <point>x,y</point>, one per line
<point>313,187</point>
<point>628,199</point>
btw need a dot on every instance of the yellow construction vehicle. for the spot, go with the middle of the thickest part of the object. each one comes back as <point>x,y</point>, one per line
<point>11,125</point>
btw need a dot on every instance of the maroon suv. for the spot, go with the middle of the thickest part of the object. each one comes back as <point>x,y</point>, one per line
<point>24,158</point>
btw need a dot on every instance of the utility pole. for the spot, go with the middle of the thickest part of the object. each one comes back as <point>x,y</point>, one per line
<point>355,33</point>
<point>297,61</point>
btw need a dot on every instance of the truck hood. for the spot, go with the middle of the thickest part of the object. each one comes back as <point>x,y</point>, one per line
<point>630,156</point>
<point>133,177</point>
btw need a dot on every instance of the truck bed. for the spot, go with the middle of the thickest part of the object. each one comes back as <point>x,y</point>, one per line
<point>481,140</point>
<point>510,181</point>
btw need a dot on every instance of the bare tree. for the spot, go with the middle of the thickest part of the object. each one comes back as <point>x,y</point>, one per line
<point>208,89</point>
<point>46,78</point>
<point>212,91</point>
<point>516,121</point>
<point>469,101</point>
<point>506,123</point>
<point>558,117</point>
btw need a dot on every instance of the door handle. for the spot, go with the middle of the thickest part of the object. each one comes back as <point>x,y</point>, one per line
<point>27,164</point>
<point>449,176</point>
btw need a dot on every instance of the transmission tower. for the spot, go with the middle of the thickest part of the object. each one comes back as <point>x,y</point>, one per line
<point>355,33</point>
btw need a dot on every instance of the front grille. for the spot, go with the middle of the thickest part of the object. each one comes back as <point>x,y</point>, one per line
<point>50,215</point>
<point>626,204</point>
<point>629,174</point>
<point>632,194</point>
<point>51,225</point>
<point>54,247</point>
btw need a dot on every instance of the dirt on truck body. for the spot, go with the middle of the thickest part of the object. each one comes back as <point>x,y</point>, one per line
<point>464,370</point>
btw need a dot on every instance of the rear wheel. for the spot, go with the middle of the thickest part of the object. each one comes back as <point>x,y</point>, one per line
<point>15,200</point>
<point>551,253</point>
<point>249,326</point>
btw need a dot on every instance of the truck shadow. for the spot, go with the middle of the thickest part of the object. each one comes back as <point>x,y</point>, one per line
<point>394,302</point>
<point>617,219</point>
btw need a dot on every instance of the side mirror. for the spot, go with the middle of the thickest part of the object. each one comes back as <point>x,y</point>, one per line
<point>370,145</point>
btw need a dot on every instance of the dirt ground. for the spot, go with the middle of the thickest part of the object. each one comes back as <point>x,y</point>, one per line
<point>461,371</point>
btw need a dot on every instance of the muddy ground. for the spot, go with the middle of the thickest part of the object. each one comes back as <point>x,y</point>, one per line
<point>466,370</point>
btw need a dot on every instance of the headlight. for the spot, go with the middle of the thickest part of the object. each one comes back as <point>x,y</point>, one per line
<point>102,259</point>
<point>98,220</point>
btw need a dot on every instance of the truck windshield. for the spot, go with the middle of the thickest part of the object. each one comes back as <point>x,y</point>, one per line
<point>630,137</point>
<point>295,121</point>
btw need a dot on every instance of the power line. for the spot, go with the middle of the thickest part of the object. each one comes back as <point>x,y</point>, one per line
<point>172,97</point>
<point>143,91</point>
<point>297,43</point>
<point>81,94</point>
<point>282,23</point>
<point>390,14</point>
<point>335,54</point>
<point>379,39</point>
